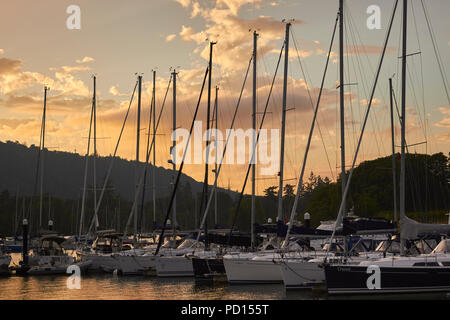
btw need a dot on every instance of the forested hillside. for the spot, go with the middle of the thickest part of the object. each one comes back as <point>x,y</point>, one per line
<point>371,193</point>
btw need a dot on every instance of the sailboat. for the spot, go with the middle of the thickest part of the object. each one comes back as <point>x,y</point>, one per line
<point>52,259</point>
<point>302,270</point>
<point>209,264</point>
<point>396,274</point>
<point>258,267</point>
<point>180,263</point>
<point>47,257</point>
<point>404,273</point>
<point>108,252</point>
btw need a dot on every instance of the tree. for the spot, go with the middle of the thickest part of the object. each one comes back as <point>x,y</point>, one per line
<point>289,191</point>
<point>271,192</point>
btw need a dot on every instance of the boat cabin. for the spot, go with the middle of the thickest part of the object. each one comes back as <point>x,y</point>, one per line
<point>109,241</point>
<point>50,245</point>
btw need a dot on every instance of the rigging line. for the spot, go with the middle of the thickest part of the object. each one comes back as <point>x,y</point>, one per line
<point>226,87</point>
<point>42,168</point>
<point>112,160</point>
<point>300,180</point>
<point>83,200</point>
<point>184,104</point>
<point>359,63</point>
<point>436,51</point>
<point>141,215</point>
<point>336,116</point>
<point>424,112</point>
<point>289,161</point>
<point>180,170</point>
<point>205,214</point>
<point>295,272</point>
<point>410,170</point>
<point>236,212</point>
<point>350,100</point>
<point>306,76</point>
<point>271,103</point>
<point>374,120</point>
<point>275,96</point>
<point>355,37</point>
<point>147,160</point>
<point>339,217</point>
<point>420,57</point>
<point>358,35</point>
<point>411,87</point>
<point>37,169</point>
<point>274,115</point>
<point>312,103</point>
<point>399,52</point>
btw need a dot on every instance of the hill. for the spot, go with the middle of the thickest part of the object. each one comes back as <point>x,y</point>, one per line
<point>64,173</point>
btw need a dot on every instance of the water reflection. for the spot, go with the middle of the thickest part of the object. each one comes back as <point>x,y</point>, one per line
<point>110,287</point>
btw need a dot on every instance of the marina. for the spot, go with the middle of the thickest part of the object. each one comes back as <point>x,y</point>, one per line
<point>161,223</point>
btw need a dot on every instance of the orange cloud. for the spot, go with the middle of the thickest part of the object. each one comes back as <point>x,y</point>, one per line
<point>170,37</point>
<point>84,60</point>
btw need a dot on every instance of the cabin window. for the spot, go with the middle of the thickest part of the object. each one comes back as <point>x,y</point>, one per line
<point>446,263</point>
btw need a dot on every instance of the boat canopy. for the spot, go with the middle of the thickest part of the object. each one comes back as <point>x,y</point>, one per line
<point>108,233</point>
<point>54,238</point>
<point>411,229</point>
<point>190,243</point>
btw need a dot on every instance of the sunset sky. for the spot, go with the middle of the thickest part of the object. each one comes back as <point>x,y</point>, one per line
<point>121,38</point>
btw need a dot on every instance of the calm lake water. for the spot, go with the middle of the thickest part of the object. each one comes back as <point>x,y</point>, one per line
<point>147,288</point>
<point>109,287</point>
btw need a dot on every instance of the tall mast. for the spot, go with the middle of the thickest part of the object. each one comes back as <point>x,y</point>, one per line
<point>94,109</point>
<point>341,97</point>
<point>174,166</point>
<point>394,179</point>
<point>138,131</point>
<point>141,221</point>
<point>208,117</point>
<point>283,124</point>
<point>42,152</point>
<point>154,148</point>
<point>255,42</point>
<point>17,209</point>
<point>216,104</point>
<point>403,122</point>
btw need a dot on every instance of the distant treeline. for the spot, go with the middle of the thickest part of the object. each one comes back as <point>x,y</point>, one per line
<point>370,195</point>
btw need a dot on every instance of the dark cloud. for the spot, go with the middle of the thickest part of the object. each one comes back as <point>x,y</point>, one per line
<point>9,66</point>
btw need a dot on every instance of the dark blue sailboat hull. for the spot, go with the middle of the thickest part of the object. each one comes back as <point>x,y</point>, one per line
<point>342,279</point>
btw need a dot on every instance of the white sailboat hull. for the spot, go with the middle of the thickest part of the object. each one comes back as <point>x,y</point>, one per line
<point>126,264</point>
<point>301,274</point>
<point>174,266</point>
<point>252,271</point>
<point>136,265</point>
<point>53,265</point>
<point>101,262</point>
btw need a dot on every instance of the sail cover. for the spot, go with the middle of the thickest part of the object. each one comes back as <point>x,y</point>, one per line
<point>411,229</point>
